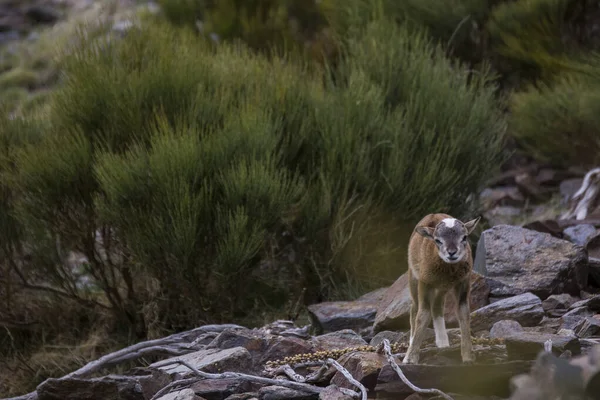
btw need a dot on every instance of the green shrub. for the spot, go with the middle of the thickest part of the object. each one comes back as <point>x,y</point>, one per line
<point>533,39</point>
<point>198,165</point>
<point>452,23</point>
<point>183,12</point>
<point>287,26</point>
<point>18,77</point>
<point>558,122</point>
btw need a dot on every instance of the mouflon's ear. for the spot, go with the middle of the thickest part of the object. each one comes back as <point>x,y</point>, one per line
<point>425,231</point>
<point>472,224</point>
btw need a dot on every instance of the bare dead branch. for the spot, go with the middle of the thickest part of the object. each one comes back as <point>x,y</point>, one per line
<point>390,358</point>
<point>175,385</point>
<point>303,387</point>
<point>349,377</point>
<point>176,344</point>
<point>290,373</point>
<point>318,374</point>
<point>586,199</point>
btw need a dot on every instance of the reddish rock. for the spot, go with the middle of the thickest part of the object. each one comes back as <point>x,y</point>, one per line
<point>363,366</point>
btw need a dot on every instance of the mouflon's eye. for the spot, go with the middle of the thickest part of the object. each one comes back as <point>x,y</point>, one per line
<point>438,241</point>
<point>464,239</point>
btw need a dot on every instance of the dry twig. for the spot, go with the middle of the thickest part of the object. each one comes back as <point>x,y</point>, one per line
<point>349,377</point>
<point>303,387</point>
<point>388,353</point>
<point>176,344</point>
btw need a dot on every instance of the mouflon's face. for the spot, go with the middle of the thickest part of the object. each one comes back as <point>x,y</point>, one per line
<point>450,237</point>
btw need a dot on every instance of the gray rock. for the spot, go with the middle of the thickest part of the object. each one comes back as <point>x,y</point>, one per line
<point>337,315</point>
<point>333,392</point>
<point>558,302</point>
<point>520,260</point>
<point>283,393</point>
<point>504,328</point>
<point>579,234</point>
<point>185,394</point>
<point>236,359</point>
<point>262,346</point>
<point>582,311</point>
<point>363,366</point>
<point>501,195</point>
<point>42,14</point>
<point>569,187</point>
<point>502,215</point>
<point>592,304</point>
<point>110,387</point>
<point>337,340</point>
<point>392,336</point>
<point>526,309</point>
<point>527,345</point>
<point>243,396</point>
<point>589,327</point>
<point>219,389</point>
<point>476,379</point>
<point>571,322</point>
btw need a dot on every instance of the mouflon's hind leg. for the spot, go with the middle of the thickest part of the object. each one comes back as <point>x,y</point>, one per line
<point>422,320</point>
<point>437,312</point>
<point>463,313</point>
<point>413,285</point>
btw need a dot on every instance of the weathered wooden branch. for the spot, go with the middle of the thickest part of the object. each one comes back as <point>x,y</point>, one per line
<point>349,377</point>
<point>387,349</point>
<point>175,385</point>
<point>303,387</point>
<point>176,344</point>
<point>290,373</point>
<point>586,199</point>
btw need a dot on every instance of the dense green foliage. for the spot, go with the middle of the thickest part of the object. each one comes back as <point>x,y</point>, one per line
<point>559,122</point>
<point>191,163</point>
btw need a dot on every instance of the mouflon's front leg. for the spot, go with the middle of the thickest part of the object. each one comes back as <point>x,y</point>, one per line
<point>422,320</point>
<point>464,320</point>
<point>439,324</point>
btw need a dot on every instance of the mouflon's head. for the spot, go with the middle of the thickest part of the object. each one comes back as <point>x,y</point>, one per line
<point>450,237</point>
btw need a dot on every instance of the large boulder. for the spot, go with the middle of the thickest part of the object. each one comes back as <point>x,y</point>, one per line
<point>235,359</point>
<point>110,387</point>
<point>393,312</point>
<point>526,309</point>
<point>520,260</point>
<point>337,315</point>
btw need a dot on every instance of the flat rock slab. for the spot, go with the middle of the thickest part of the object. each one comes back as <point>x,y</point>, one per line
<point>475,379</point>
<point>185,394</point>
<point>283,393</point>
<point>236,359</point>
<point>262,346</point>
<point>527,345</point>
<point>220,389</point>
<point>393,312</point>
<point>333,392</point>
<point>357,315</point>
<point>110,387</point>
<point>526,309</point>
<point>520,260</point>
<point>337,340</point>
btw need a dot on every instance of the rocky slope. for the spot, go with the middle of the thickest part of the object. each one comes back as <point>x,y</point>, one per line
<point>533,305</point>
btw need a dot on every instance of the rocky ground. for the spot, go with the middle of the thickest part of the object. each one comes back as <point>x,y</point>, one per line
<point>535,307</point>
<point>535,320</point>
